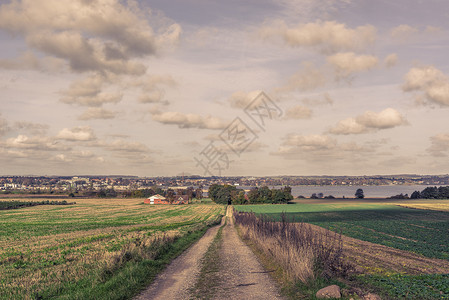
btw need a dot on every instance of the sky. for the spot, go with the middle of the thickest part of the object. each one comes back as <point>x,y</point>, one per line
<point>225,88</point>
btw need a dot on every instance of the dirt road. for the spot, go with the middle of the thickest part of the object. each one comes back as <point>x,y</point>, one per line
<point>241,275</point>
<point>180,276</point>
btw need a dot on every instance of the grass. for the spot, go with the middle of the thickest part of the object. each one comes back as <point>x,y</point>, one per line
<point>96,249</point>
<point>209,276</point>
<point>398,286</point>
<point>301,259</point>
<point>303,253</point>
<point>422,231</point>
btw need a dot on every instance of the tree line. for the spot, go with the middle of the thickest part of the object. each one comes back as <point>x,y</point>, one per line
<point>229,194</point>
<point>6,205</point>
<point>430,192</point>
<point>142,193</point>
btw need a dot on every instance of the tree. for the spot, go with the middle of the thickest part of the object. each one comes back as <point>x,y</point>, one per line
<point>253,195</point>
<point>359,194</point>
<point>415,195</point>
<point>430,193</point>
<point>221,193</point>
<point>199,193</point>
<point>170,195</point>
<point>265,195</point>
<point>190,191</point>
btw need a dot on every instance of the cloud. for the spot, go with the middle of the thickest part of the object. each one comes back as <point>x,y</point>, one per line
<point>325,100</point>
<point>29,61</point>
<point>34,128</point>
<point>122,146</point>
<point>388,118</point>
<point>153,88</point>
<point>4,127</point>
<point>348,126</point>
<point>319,147</point>
<point>80,134</point>
<point>369,121</point>
<point>439,145</point>
<point>77,156</point>
<point>38,143</point>
<point>95,113</point>
<point>135,153</point>
<point>403,32</point>
<point>298,112</point>
<point>242,99</point>
<point>391,60</point>
<point>327,37</point>
<point>86,39</point>
<point>309,78</point>
<point>189,120</point>
<point>88,92</point>
<point>348,63</point>
<point>431,82</point>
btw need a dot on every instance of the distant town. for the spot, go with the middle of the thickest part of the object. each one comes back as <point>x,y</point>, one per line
<point>76,184</point>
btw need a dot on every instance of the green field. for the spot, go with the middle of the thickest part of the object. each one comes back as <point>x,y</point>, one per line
<point>425,232</point>
<point>95,249</point>
<point>415,230</point>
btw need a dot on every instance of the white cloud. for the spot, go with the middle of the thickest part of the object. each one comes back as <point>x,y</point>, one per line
<point>34,128</point>
<point>319,148</point>
<point>348,63</point>
<point>4,128</point>
<point>348,126</point>
<point>80,133</point>
<point>36,143</point>
<point>242,99</point>
<point>431,82</point>
<point>29,61</point>
<point>95,113</point>
<point>102,35</point>
<point>189,120</point>
<point>298,112</point>
<point>439,145</point>
<point>88,92</point>
<point>328,37</point>
<point>388,118</point>
<point>391,60</point>
<point>369,121</point>
<point>403,31</point>
<point>309,78</point>
<point>153,88</point>
<point>122,146</point>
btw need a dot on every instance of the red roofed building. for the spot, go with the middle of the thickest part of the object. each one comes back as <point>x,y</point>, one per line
<point>156,199</point>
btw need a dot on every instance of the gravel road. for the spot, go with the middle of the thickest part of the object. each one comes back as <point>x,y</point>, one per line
<point>180,276</point>
<point>242,276</point>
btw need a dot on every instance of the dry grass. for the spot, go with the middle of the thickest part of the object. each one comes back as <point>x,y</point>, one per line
<point>431,205</point>
<point>45,246</point>
<point>303,253</point>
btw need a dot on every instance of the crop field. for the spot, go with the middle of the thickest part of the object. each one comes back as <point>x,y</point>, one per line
<point>96,249</point>
<point>424,232</point>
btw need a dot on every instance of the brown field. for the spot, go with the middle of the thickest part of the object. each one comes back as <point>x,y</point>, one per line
<point>45,246</point>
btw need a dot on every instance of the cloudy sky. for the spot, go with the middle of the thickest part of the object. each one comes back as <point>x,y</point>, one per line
<point>158,88</point>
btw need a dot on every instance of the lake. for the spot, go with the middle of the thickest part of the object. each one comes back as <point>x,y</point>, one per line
<point>338,191</point>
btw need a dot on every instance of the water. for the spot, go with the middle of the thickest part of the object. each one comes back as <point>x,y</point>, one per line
<point>338,191</point>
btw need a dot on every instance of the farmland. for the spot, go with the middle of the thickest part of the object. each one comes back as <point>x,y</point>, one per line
<point>85,251</point>
<point>371,227</point>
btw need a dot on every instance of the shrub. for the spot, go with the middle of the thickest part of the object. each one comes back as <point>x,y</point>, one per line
<point>304,252</point>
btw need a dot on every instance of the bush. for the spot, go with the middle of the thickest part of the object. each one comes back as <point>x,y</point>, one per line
<point>304,252</point>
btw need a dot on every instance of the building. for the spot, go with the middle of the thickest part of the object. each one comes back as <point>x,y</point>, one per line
<point>156,199</point>
<point>181,199</point>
